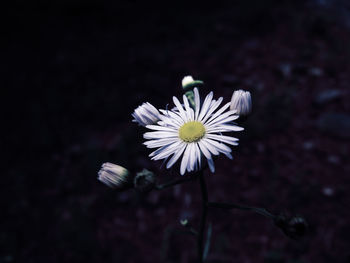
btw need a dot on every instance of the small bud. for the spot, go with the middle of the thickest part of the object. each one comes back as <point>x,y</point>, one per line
<point>294,227</point>
<point>146,114</point>
<point>189,83</point>
<point>115,176</point>
<point>144,181</point>
<point>184,222</point>
<point>187,80</point>
<point>241,101</point>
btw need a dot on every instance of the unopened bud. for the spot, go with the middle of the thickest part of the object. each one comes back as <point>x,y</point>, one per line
<point>241,101</point>
<point>144,181</point>
<point>294,227</point>
<point>146,114</point>
<point>184,222</point>
<point>115,176</point>
<point>189,83</point>
<point>187,80</point>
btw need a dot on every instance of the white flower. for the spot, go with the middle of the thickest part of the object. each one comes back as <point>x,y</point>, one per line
<point>192,133</point>
<point>241,101</point>
<point>187,80</point>
<point>114,176</point>
<point>146,114</point>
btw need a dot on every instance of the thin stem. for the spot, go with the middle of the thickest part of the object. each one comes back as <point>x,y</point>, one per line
<point>259,210</point>
<point>189,231</point>
<point>174,182</point>
<point>204,193</point>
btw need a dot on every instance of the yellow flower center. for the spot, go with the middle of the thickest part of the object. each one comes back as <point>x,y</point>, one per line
<point>192,131</point>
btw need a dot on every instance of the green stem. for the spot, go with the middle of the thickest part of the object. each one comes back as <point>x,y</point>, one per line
<point>259,210</point>
<point>174,182</point>
<point>204,193</point>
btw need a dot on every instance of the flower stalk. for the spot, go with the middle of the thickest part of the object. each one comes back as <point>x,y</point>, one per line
<point>259,210</point>
<point>204,194</point>
<point>175,182</point>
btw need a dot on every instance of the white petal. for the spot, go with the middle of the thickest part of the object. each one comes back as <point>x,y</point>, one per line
<point>168,151</point>
<point>160,135</point>
<point>185,159</point>
<point>204,150</point>
<point>160,142</point>
<point>223,138</point>
<point>229,156</point>
<point>222,121</point>
<point>195,158</point>
<point>192,158</point>
<point>164,154</point>
<point>146,114</point>
<point>209,147</point>
<point>221,117</point>
<point>176,155</point>
<point>187,108</point>
<point>142,119</point>
<point>207,155</point>
<point>197,102</point>
<point>212,109</point>
<point>192,114</point>
<point>198,156</point>
<point>216,114</point>
<point>224,128</point>
<point>205,106</point>
<point>179,107</point>
<point>211,165</point>
<point>188,166</point>
<point>168,122</point>
<point>212,103</point>
<point>172,115</point>
<point>160,128</point>
<point>152,109</point>
<point>219,146</point>
<point>158,151</point>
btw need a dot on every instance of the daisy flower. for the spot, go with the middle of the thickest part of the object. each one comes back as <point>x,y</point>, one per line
<point>193,133</point>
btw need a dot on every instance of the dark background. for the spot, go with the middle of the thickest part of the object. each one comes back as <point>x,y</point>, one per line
<point>72,74</point>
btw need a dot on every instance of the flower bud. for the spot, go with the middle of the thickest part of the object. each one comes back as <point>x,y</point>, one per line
<point>115,176</point>
<point>144,181</point>
<point>241,101</point>
<point>146,114</point>
<point>189,83</point>
<point>187,80</point>
<point>184,222</point>
<point>294,227</point>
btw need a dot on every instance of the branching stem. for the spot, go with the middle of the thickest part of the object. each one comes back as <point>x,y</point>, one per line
<point>206,204</point>
<point>259,210</point>
<point>175,182</point>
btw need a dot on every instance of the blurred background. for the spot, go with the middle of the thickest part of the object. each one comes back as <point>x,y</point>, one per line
<point>74,71</point>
